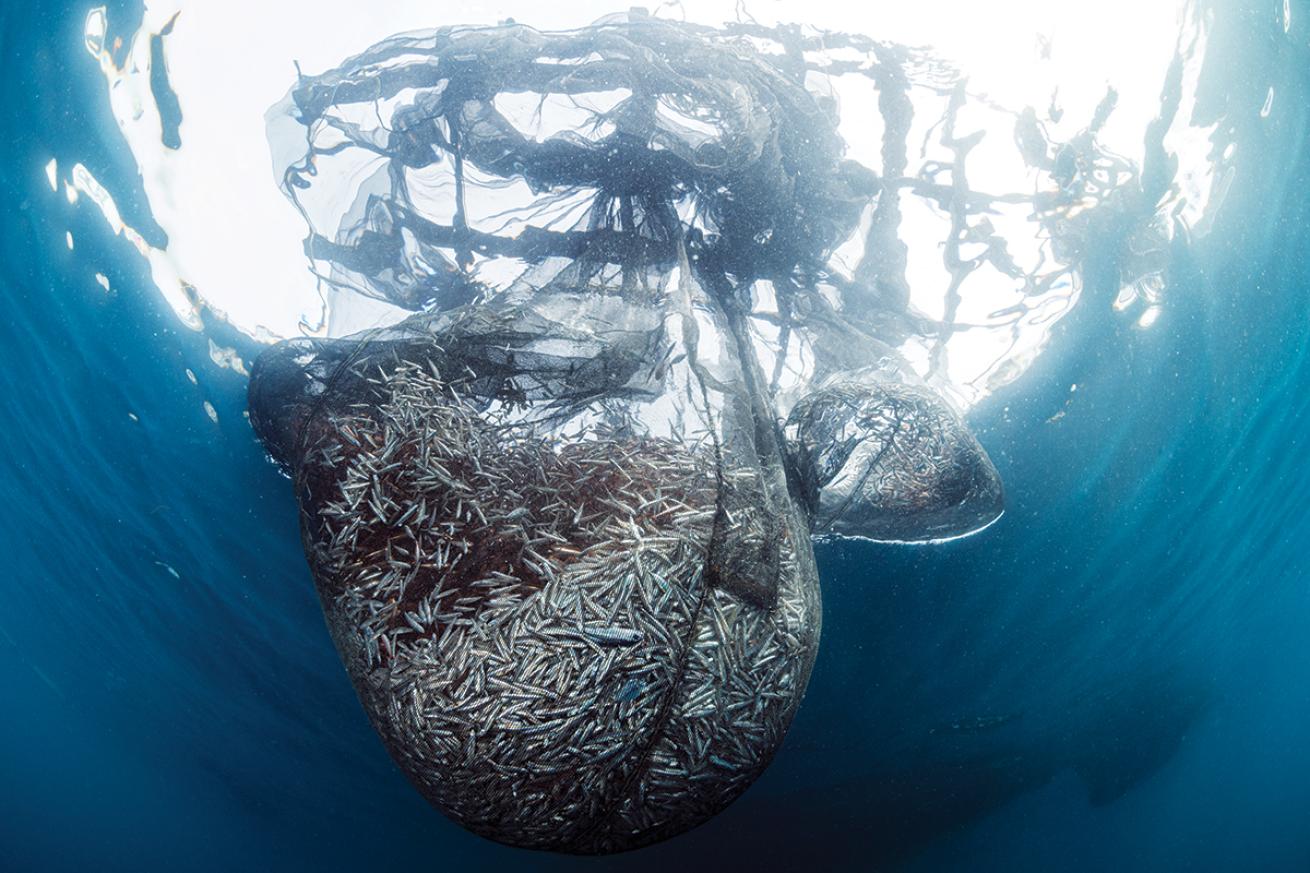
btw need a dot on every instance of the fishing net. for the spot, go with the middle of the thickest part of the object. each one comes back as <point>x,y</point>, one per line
<point>559,516</point>
<point>557,555</point>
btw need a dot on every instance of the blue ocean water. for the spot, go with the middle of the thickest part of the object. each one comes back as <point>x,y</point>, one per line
<point>1113,677</point>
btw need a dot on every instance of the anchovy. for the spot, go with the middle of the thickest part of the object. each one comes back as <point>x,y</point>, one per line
<point>613,636</point>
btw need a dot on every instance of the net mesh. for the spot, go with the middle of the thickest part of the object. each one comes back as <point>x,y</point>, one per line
<point>557,554</point>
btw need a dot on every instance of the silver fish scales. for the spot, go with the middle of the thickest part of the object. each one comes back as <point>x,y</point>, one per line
<point>492,752</point>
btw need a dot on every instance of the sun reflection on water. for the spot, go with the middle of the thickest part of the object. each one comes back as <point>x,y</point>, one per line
<point>235,246</point>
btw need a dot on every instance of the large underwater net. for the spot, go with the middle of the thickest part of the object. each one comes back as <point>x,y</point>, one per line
<point>560,516</point>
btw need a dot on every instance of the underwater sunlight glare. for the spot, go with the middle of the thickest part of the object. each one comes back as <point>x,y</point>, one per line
<point>190,90</point>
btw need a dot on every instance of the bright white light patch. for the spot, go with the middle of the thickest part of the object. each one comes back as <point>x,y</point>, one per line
<point>238,243</point>
<point>162,269</point>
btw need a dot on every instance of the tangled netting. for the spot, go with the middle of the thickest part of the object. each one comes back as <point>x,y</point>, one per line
<point>667,127</point>
<point>560,517</point>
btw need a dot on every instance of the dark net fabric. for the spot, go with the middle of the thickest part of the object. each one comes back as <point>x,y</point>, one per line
<point>674,127</point>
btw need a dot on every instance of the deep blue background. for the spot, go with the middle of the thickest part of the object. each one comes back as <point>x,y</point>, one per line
<point>1116,674</point>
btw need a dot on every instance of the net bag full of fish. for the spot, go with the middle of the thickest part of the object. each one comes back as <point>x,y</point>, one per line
<point>559,515</point>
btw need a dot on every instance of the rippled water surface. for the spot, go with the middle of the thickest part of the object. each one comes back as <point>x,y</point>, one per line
<point>1111,676</point>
